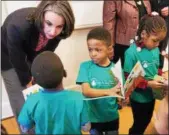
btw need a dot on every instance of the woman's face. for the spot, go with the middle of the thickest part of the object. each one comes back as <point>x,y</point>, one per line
<point>53,24</point>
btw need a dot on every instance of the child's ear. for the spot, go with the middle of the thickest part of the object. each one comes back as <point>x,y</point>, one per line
<point>33,80</point>
<point>144,34</point>
<point>110,48</point>
<point>111,52</point>
<point>64,73</point>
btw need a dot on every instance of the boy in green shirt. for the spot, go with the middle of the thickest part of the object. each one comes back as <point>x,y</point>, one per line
<point>96,80</point>
<point>53,110</point>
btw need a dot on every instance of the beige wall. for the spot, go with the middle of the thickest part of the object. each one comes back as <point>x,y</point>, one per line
<point>72,52</point>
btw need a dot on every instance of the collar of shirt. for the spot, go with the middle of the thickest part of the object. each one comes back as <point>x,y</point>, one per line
<point>140,44</point>
<point>41,42</point>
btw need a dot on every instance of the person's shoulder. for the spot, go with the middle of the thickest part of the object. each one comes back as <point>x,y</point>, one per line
<point>18,19</point>
<point>33,97</point>
<point>74,94</point>
<point>19,15</point>
<point>87,63</point>
<point>156,50</point>
<point>131,49</point>
<point>112,64</point>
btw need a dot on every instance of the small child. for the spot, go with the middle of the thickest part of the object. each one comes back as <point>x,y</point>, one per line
<point>152,29</point>
<point>53,110</point>
<point>97,81</point>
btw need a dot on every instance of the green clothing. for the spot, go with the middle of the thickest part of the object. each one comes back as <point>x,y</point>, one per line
<point>149,59</point>
<point>105,109</point>
<point>60,112</point>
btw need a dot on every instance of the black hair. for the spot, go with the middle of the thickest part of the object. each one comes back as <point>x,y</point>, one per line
<point>47,70</point>
<point>151,24</point>
<point>101,34</point>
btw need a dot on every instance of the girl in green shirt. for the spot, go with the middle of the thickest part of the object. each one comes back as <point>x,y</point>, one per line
<point>152,29</point>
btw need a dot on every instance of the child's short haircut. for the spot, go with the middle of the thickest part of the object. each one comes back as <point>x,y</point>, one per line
<point>47,70</point>
<point>100,33</point>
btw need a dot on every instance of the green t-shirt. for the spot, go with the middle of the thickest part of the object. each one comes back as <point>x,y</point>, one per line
<point>149,60</point>
<point>62,112</point>
<point>105,109</point>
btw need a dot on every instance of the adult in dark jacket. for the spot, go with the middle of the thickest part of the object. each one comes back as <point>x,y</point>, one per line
<point>162,7</point>
<point>26,33</point>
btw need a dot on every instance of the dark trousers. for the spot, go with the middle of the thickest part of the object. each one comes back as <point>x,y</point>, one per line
<point>14,91</point>
<point>164,43</point>
<point>142,114</point>
<point>107,127</point>
<point>119,51</point>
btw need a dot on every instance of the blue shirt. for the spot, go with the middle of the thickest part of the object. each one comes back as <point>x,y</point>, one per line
<point>62,112</point>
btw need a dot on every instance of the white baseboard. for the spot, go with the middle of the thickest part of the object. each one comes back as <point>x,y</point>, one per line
<point>6,110</point>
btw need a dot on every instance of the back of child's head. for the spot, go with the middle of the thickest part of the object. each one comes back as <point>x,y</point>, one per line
<point>152,24</point>
<point>47,70</point>
<point>101,34</point>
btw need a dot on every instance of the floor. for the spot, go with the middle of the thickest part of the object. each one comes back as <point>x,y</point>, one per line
<point>125,122</point>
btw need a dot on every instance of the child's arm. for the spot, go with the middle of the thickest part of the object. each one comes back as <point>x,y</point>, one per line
<point>83,80</point>
<point>84,117</point>
<point>91,92</point>
<point>24,129</point>
<point>25,120</point>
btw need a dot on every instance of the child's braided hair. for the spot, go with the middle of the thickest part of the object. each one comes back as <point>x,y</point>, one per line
<point>151,24</point>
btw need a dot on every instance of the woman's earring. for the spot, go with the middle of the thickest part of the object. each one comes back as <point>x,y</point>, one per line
<point>62,32</point>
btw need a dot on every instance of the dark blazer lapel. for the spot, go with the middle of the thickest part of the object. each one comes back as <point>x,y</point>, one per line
<point>34,37</point>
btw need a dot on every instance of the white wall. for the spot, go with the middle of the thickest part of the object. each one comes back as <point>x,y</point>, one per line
<point>72,52</point>
<point>87,13</point>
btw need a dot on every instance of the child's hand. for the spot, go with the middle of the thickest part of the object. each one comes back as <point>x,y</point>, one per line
<point>115,91</point>
<point>165,54</point>
<point>125,102</point>
<point>156,84</point>
<point>30,83</point>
